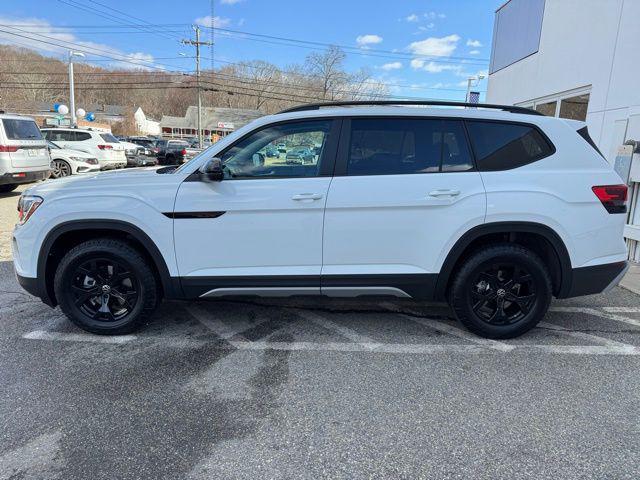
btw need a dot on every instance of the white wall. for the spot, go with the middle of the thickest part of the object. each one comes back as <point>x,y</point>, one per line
<point>584,43</point>
<point>146,126</point>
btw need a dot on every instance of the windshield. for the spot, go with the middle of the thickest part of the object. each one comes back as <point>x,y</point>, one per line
<point>21,129</point>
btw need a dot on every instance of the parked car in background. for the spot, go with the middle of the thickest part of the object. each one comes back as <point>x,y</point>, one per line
<point>271,152</point>
<point>65,162</point>
<point>302,155</point>
<point>147,143</point>
<point>174,152</point>
<point>24,156</point>
<point>282,147</point>
<point>131,149</point>
<point>103,146</point>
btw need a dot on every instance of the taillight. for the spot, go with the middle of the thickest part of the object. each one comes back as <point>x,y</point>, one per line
<point>8,148</point>
<point>613,197</point>
<point>105,147</point>
<point>183,152</point>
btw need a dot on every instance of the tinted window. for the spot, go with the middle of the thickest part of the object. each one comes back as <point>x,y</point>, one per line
<point>249,157</point>
<point>584,133</point>
<point>394,146</point>
<point>81,136</point>
<point>21,129</point>
<point>502,146</point>
<point>107,137</point>
<point>60,136</point>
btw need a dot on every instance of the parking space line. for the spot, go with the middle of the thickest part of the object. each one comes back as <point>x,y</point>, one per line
<point>622,309</point>
<point>583,336</point>
<point>366,342</point>
<point>217,326</point>
<point>359,347</point>
<point>597,313</point>
<point>581,349</point>
<point>451,330</point>
<point>78,337</point>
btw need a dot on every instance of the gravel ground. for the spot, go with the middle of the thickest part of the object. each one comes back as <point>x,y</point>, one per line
<point>317,388</point>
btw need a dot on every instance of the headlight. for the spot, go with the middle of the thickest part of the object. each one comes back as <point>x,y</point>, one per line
<point>27,205</point>
<point>78,159</point>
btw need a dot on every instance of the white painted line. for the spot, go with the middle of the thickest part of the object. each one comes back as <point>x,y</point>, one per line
<point>346,332</point>
<point>622,309</point>
<point>584,336</point>
<point>597,313</point>
<point>451,330</point>
<point>40,458</point>
<point>78,337</point>
<point>217,326</point>
<point>422,349</point>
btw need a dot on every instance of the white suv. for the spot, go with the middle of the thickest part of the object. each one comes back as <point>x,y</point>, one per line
<point>101,145</point>
<point>24,157</point>
<point>493,211</point>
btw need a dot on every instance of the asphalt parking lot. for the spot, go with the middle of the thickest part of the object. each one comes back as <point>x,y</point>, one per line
<point>317,388</point>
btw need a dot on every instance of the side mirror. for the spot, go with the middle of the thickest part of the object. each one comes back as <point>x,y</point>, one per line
<point>258,159</point>
<point>212,170</point>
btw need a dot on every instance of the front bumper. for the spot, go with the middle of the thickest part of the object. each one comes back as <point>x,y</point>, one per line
<point>596,279</point>
<point>24,177</point>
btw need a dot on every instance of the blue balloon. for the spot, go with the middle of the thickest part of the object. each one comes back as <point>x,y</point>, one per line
<point>56,106</point>
<point>90,116</point>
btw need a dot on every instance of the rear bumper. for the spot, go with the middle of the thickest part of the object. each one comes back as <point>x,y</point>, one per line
<point>24,177</point>
<point>596,279</point>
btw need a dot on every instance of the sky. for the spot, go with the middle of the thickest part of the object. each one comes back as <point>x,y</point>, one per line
<point>424,49</point>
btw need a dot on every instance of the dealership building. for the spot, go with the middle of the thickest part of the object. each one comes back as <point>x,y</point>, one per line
<point>216,122</point>
<point>574,59</point>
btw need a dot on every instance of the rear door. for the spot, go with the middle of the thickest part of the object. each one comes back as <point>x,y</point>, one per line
<point>260,229</point>
<point>28,148</point>
<point>405,190</point>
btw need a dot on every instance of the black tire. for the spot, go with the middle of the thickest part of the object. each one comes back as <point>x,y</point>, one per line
<point>8,188</point>
<point>88,269</point>
<point>501,291</point>
<point>63,169</point>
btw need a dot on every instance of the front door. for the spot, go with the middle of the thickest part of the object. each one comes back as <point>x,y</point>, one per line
<point>258,231</point>
<point>405,189</point>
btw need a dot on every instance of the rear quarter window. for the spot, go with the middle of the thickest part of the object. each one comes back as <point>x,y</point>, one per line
<point>107,137</point>
<point>21,129</point>
<point>503,146</point>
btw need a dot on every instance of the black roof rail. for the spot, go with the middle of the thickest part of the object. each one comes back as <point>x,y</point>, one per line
<point>427,103</point>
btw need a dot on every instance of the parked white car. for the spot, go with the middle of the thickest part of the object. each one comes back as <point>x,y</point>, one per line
<point>65,162</point>
<point>24,157</point>
<point>101,145</point>
<point>494,211</point>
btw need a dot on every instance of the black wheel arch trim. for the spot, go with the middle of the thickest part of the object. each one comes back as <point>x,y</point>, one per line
<point>170,285</point>
<point>466,239</point>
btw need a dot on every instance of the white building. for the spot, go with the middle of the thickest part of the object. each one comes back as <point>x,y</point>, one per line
<point>145,125</point>
<point>571,58</point>
<point>574,59</point>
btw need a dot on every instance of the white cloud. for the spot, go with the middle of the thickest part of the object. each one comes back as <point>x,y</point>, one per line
<point>369,39</point>
<point>433,67</point>
<point>230,2</point>
<point>434,46</point>
<point>412,18</point>
<point>474,43</point>
<point>392,66</point>
<point>432,15</point>
<point>474,52</point>
<point>215,22</point>
<point>33,28</point>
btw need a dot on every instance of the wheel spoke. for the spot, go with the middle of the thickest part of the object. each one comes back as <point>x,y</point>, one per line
<point>83,294</point>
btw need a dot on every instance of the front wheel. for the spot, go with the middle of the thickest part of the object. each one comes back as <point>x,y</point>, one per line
<point>60,168</point>
<point>501,291</point>
<point>105,286</point>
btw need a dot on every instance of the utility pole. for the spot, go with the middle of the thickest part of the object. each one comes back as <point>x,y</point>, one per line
<point>72,97</point>
<point>197,44</point>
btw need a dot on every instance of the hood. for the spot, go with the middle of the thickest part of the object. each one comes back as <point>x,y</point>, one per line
<point>100,182</point>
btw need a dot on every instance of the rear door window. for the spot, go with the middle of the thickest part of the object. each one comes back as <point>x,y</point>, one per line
<point>82,136</point>
<point>503,146</point>
<point>393,146</point>
<point>21,129</point>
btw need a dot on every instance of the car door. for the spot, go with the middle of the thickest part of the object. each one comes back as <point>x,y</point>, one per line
<point>259,230</point>
<point>405,190</point>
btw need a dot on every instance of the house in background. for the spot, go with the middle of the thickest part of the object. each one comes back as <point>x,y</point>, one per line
<point>217,122</point>
<point>144,124</point>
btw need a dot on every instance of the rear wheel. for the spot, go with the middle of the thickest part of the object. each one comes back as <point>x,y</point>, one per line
<point>105,286</point>
<point>501,291</point>
<point>8,188</point>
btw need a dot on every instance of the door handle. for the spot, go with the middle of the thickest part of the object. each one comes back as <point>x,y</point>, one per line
<point>307,196</point>
<point>444,193</point>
